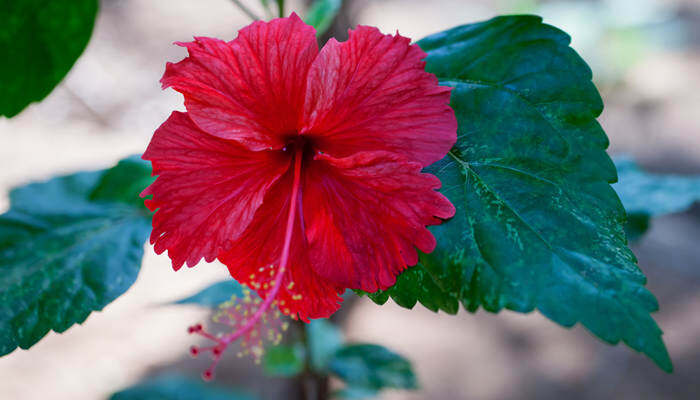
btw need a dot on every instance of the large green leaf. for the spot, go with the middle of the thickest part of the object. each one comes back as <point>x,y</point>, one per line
<point>67,248</point>
<point>537,224</point>
<point>176,387</point>
<point>372,367</point>
<point>40,42</point>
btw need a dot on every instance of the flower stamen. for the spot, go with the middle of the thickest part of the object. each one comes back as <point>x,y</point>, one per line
<point>259,317</point>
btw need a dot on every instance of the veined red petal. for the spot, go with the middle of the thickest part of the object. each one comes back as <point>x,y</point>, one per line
<point>254,258</point>
<point>207,191</point>
<point>362,118</point>
<point>372,93</point>
<point>252,88</point>
<point>366,214</point>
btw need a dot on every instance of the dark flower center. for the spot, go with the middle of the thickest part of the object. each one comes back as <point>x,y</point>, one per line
<point>304,143</point>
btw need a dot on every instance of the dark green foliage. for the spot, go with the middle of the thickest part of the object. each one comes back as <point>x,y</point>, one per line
<point>176,387</point>
<point>214,295</point>
<point>369,367</point>
<point>538,225</point>
<point>636,226</point>
<point>69,246</point>
<point>40,41</point>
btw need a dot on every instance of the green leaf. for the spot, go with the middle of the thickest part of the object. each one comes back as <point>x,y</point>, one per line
<point>125,183</point>
<point>538,225</point>
<point>67,249</point>
<point>40,41</point>
<point>324,339</point>
<point>372,367</point>
<point>416,285</point>
<point>284,360</point>
<point>355,393</point>
<point>322,13</point>
<point>214,295</point>
<point>176,387</point>
<point>646,195</point>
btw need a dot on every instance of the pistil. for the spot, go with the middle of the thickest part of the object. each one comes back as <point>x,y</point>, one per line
<point>258,317</point>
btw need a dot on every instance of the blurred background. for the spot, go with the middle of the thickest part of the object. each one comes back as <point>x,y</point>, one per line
<point>645,55</point>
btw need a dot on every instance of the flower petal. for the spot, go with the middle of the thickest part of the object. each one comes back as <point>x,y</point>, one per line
<point>366,214</point>
<point>303,293</point>
<point>372,93</point>
<point>250,89</point>
<point>207,190</point>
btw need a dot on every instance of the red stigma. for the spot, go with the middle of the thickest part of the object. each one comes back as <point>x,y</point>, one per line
<point>194,328</point>
<point>208,375</point>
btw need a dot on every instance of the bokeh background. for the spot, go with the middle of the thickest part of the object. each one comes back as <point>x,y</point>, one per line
<point>645,55</point>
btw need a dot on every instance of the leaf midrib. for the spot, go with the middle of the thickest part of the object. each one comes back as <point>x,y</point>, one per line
<point>469,169</point>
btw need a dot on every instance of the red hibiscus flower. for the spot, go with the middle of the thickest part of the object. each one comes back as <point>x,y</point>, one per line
<point>300,169</point>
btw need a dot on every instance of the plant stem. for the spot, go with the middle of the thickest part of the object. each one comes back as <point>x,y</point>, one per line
<point>246,10</point>
<point>280,8</point>
<point>313,385</point>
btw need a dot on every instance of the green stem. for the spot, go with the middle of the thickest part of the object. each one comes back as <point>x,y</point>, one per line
<point>280,8</point>
<point>246,10</point>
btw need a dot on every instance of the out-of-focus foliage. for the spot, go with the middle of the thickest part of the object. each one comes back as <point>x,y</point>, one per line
<point>215,294</point>
<point>69,246</point>
<point>323,339</point>
<point>647,195</point>
<point>367,367</point>
<point>40,41</point>
<point>176,387</point>
<point>322,13</point>
<point>284,360</point>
